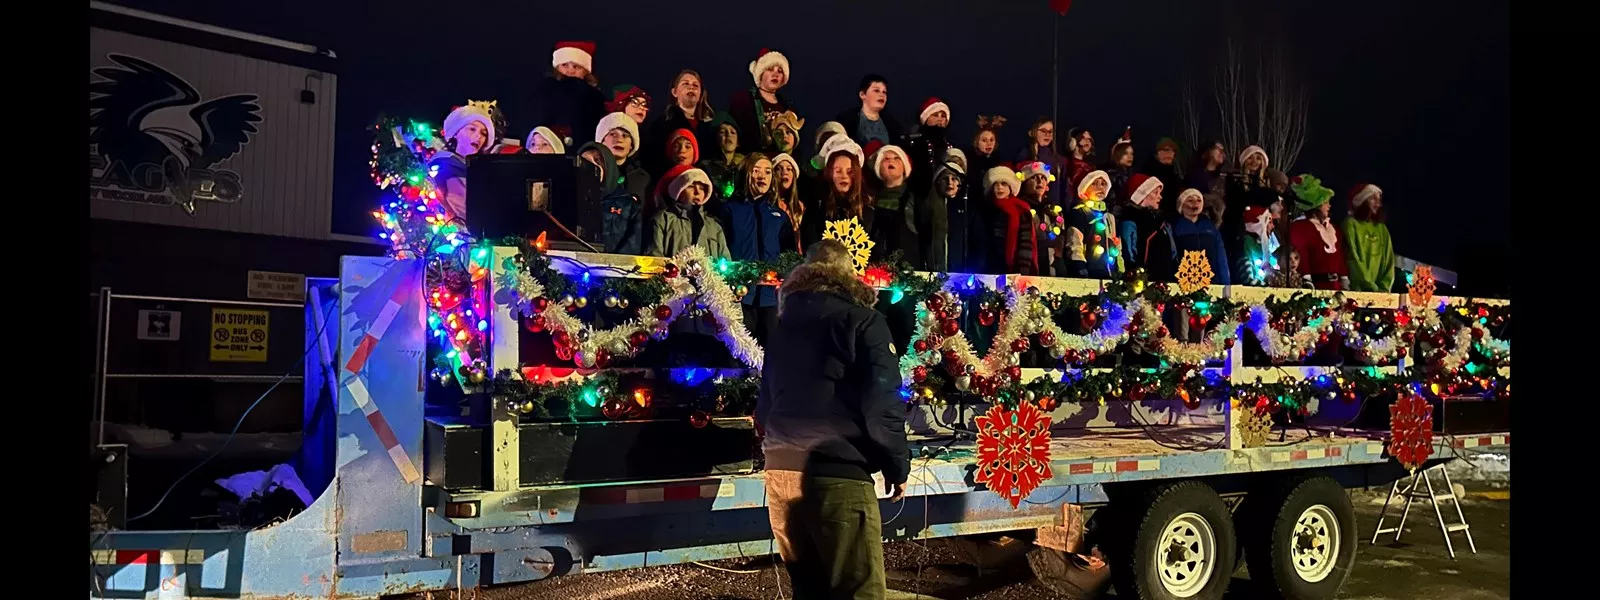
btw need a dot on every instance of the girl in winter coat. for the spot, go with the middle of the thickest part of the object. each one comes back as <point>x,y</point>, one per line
<point>758,230</point>
<point>893,206</point>
<point>950,227</point>
<point>1369,249</point>
<point>1190,230</point>
<point>1206,172</point>
<point>1141,216</point>
<point>1120,169</point>
<point>467,131</point>
<point>1048,222</point>
<point>1015,242</point>
<point>570,96</point>
<point>1314,236</point>
<point>842,193</point>
<point>685,190</point>
<point>1093,247</point>
<point>786,193</point>
<point>982,156</point>
<point>1041,147</point>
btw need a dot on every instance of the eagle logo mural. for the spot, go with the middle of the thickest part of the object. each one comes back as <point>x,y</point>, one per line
<point>154,134</point>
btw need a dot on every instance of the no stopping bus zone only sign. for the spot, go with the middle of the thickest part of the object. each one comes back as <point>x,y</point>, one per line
<point>238,335</point>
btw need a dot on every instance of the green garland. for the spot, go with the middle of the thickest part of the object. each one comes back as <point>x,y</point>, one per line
<point>609,395</point>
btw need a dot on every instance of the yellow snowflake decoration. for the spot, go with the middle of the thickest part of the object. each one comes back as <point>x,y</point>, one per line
<point>1421,290</point>
<point>1253,427</point>
<point>1194,271</point>
<point>853,236</point>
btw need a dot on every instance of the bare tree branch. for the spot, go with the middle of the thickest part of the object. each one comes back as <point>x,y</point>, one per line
<point>1190,107</point>
<point>1260,100</point>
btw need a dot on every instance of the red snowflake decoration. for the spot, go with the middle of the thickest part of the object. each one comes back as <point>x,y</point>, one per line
<point>1411,430</point>
<point>1013,450</point>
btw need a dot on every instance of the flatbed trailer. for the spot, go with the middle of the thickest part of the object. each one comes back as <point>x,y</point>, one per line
<point>382,526</point>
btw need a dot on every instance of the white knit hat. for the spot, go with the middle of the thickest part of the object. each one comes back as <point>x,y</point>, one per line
<point>1027,170</point>
<point>466,114</point>
<point>765,60</point>
<point>581,53</point>
<point>549,136</point>
<point>1253,149</point>
<point>1083,186</point>
<point>618,120</point>
<point>781,158</point>
<point>1002,174</point>
<point>877,158</point>
<point>830,126</point>
<point>834,145</point>
<point>1190,192</point>
<point>677,184</point>
<point>955,155</point>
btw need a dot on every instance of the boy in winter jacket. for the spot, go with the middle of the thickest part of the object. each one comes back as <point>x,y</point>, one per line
<point>928,145</point>
<point>757,229</point>
<point>1366,237</point>
<point>623,220</point>
<point>1141,216</point>
<point>1092,246</point>
<point>950,226</point>
<point>1191,230</point>
<point>467,131</point>
<point>1314,236</point>
<point>685,190</point>
<point>893,206</point>
<point>723,166</point>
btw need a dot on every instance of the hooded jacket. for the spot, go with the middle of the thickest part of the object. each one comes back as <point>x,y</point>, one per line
<point>953,231</point>
<point>609,205</point>
<point>1164,250</point>
<point>677,227</point>
<point>829,399</point>
<point>757,230</point>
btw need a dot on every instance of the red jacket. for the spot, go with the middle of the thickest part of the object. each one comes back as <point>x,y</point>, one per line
<point>1323,266</point>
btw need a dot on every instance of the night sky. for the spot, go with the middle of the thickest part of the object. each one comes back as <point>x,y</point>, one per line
<point>1412,96</point>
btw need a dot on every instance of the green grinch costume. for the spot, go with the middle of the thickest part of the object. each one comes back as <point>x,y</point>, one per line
<point>1370,251</point>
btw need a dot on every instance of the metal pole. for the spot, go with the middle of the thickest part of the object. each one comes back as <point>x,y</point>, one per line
<point>102,342</point>
<point>1055,71</point>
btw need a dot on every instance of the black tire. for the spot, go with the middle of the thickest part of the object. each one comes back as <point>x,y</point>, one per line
<point>1135,569</point>
<point>1273,531</point>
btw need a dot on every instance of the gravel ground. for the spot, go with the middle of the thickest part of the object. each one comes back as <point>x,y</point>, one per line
<point>1419,567</point>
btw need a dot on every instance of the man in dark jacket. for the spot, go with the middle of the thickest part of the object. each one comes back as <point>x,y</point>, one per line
<point>832,414</point>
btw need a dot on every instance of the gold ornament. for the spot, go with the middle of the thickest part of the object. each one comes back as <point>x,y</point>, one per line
<point>1194,271</point>
<point>853,236</point>
<point>1421,289</point>
<point>1253,427</point>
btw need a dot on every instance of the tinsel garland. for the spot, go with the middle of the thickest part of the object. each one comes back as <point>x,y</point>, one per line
<point>723,306</point>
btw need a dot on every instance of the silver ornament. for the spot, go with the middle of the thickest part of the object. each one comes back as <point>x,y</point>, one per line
<point>619,348</point>
<point>585,359</point>
<point>583,335</point>
<point>1058,351</point>
<point>963,383</point>
<point>971,369</point>
<point>1028,395</point>
<point>953,310</point>
<point>567,299</point>
<point>622,303</point>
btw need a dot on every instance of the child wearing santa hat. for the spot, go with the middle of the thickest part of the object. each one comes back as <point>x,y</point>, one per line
<point>1257,261</point>
<point>893,206</point>
<point>1094,248</point>
<point>928,144</point>
<point>628,99</point>
<point>754,109</point>
<point>1314,236</point>
<point>468,130</point>
<point>1369,249</point>
<point>684,191</point>
<point>570,96</point>
<point>838,190</point>
<point>1141,216</point>
<point>1015,239</point>
<point>951,227</point>
<point>544,140</point>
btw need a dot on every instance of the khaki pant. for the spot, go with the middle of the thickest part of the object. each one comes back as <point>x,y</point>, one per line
<point>829,534</point>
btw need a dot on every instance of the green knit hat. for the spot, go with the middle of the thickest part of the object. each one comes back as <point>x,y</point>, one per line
<point>724,117</point>
<point>1309,192</point>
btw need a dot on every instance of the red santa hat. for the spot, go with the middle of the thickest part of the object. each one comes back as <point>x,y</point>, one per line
<point>678,178</point>
<point>462,115</point>
<point>876,156</point>
<point>765,60</point>
<point>618,120</point>
<point>933,105</point>
<point>581,53</point>
<point>1002,174</point>
<point>623,94</point>
<point>693,143</point>
<point>1083,185</point>
<point>1142,191</point>
<point>556,140</point>
<point>1363,192</point>
<point>1256,219</point>
<point>1027,170</point>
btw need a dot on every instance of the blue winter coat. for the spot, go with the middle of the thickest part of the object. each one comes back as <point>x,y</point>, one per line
<point>1165,249</point>
<point>757,230</point>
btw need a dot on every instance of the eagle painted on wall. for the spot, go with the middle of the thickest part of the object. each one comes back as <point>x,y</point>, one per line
<point>140,114</point>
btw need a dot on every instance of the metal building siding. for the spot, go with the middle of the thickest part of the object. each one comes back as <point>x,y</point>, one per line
<point>286,170</point>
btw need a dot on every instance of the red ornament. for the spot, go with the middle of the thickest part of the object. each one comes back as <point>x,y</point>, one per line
<point>987,317</point>
<point>670,271</point>
<point>1411,430</point>
<point>561,339</point>
<point>951,359</point>
<point>1227,343</point>
<point>613,410</point>
<point>1020,344</point>
<point>564,353</point>
<point>1163,332</point>
<point>699,419</point>
<point>663,312</point>
<point>1136,393</point>
<point>533,324</point>
<point>1047,339</point>
<point>1477,333</point>
<point>1061,6</point>
<point>921,345</point>
<point>1089,319</point>
<point>602,357</point>
<point>919,373</point>
<point>541,303</point>
<point>935,303</point>
<point>1013,451</point>
<point>1400,352</point>
<point>1263,405</point>
<point>1015,372</point>
<point>949,327</point>
<point>1190,401</point>
<point>1089,356</point>
<point>1070,357</point>
<point>1048,403</point>
<point>638,338</point>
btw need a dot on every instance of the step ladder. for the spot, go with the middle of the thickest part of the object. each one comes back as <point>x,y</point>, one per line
<point>1414,492</point>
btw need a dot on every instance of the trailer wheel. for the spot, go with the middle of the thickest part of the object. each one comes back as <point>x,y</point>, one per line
<point>1301,541</point>
<point>1179,543</point>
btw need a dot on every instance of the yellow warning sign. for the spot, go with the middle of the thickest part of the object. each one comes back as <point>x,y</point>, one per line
<point>238,335</point>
